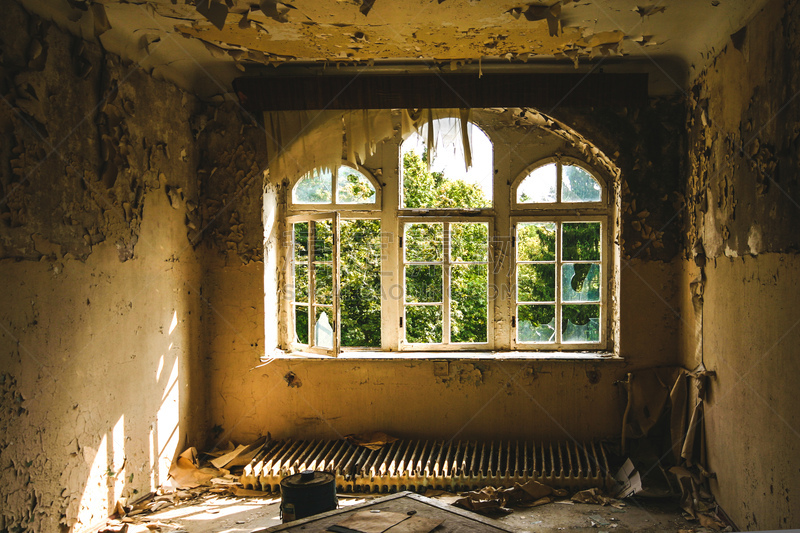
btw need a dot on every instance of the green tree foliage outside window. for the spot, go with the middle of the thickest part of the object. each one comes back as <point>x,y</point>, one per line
<point>424,242</point>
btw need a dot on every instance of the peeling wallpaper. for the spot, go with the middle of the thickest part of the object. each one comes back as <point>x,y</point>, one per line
<point>744,132</point>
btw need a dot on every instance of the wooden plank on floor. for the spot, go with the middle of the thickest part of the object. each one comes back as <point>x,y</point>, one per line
<point>453,519</point>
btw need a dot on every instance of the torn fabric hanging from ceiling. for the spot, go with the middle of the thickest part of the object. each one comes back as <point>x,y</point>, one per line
<point>300,141</point>
<point>438,128</point>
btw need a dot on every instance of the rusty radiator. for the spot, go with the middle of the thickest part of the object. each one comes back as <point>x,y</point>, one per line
<point>418,465</point>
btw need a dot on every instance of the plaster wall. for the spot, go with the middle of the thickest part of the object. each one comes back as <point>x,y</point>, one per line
<point>100,299</point>
<point>743,211</point>
<point>95,382</point>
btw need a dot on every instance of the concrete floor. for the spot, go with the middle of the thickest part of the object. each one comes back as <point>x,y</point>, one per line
<point>212,513</point>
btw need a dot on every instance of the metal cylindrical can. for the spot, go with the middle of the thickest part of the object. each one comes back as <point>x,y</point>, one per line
<point>306,494</point>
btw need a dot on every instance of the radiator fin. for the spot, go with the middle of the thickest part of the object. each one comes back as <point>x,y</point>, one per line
<point>419,465</point>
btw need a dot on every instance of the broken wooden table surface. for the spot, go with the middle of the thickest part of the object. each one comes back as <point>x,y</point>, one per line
<point>434,515</point>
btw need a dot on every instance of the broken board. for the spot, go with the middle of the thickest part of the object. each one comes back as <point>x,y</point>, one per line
<point>451,519</point>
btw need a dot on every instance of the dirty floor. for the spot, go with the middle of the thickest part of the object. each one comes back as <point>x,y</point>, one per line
<point>225,514</point>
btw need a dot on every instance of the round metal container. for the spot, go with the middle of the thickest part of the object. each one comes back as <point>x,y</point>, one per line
<point>306,494</point>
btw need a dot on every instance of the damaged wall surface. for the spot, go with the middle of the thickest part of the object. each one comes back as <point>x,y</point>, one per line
<point>100,215</point>
<point>134,270</point>
<point>743,211</point>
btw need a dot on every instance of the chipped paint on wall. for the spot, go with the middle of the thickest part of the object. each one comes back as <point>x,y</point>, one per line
<point>743,163</point>
<point>742,214</point>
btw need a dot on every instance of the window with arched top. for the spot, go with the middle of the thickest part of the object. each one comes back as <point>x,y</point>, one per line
<point>561,241</point>
<point>347,186</point>
<point>439,174</point>
<point>335,261</point>
<point>441,256</point>
<point>555,182</point>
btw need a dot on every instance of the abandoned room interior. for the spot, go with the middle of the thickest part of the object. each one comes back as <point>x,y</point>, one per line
<point>558,225</point>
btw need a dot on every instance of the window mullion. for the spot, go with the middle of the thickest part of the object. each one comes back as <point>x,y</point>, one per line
<point>559,245</point>
<point>335,270</point>
<point>446,284</point>
<point>312,283</point>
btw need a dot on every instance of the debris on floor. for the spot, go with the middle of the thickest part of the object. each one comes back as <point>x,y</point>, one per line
<point>490,500</point>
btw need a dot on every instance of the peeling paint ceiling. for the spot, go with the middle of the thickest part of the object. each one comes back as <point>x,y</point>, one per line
<point>201,45</point>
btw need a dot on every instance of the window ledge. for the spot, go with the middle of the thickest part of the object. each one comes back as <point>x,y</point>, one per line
<point>462,356</point>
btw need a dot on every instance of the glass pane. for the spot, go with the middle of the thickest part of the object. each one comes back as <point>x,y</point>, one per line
<point>301,283</point>
<point>423,283</point>
<point>539,186</point>
<point>469,241</point>
<point>423,242</point>
<point>301,241</point>
<point>580,282</point>
<point>424,323</point>
<point>580,323</point>
<point>536,241</point>
<point>577,185</point>
<point>447,183</point>
<point>353,187</point>
<point>536,323</point>
<point>360,279</point>
<point>323,284</point>
<point>581,241</point>
<point>301,324</point>
<point>314,188</point>
<point>323,329</point>
<point>536,283</point>
<point>468,303</point>
<point>323,240</point>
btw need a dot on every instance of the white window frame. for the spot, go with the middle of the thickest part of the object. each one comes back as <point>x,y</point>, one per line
<point>501,266</point>
<point>605,285</point>
<point>560,212</point>
<point>446,344</point>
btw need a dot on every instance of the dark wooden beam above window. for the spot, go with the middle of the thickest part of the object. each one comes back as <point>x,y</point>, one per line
<point>369,91</point>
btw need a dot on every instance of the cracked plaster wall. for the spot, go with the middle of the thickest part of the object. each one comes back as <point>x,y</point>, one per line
<point>102,236</point>
<point>742,220</point>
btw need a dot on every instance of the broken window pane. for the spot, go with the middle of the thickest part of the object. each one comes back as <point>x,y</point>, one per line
<point>469,242</point>
<point>424,323</point>
<point>536,323</point>
<point>360,281</point>
<point>423,242</point>
<point>447,183</point>
<point>536,241</point>
<point>423,283</point>
<point>539,186</point>
<point>580,282</point>
<point>353,187</point>
<point>314,188</point>
<point>301,323</point>
<point>581,241</point>
<point>323,328</point>
<point>577,185</point>
<point>323,284</point>
<point>468,303</point>
<point>580,323</point>
<point>536,283</point>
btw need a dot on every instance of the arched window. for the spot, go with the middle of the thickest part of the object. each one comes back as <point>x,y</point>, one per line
<point>447,181</point>
<point>458,258</point>
<point>352,187</point>
<point>561,275</point>
<point>335,261</point>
